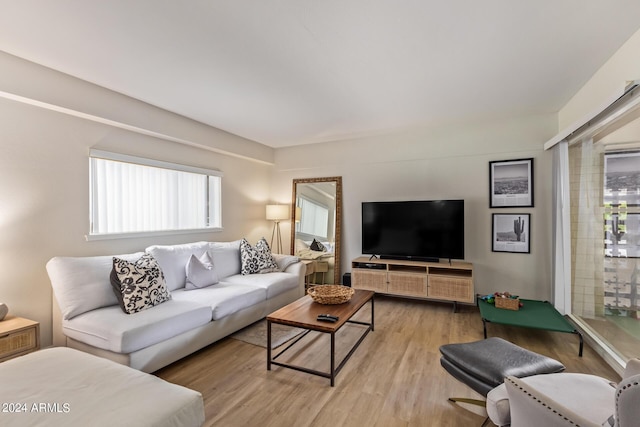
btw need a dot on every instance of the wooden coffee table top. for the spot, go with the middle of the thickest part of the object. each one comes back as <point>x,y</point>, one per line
<point>303,312</point>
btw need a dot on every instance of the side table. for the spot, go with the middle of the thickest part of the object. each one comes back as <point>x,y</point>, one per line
<point>310,270</point>
<point>18,336</point>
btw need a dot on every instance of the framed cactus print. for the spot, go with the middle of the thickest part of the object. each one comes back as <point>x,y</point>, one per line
<point>511,233</point>
<point>511,183</point>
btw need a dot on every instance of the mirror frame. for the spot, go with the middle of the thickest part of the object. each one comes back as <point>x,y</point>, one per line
<point>338,225</point>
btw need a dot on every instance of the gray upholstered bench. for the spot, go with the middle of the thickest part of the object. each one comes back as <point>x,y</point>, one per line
<point>483,365</point>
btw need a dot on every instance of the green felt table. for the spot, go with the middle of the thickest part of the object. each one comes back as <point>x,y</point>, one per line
<point>533,314</point>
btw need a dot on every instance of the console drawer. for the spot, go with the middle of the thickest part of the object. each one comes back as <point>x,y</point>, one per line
<point>15,341</point>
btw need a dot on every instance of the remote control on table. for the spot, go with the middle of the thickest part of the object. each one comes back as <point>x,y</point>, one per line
<point>327,318</point>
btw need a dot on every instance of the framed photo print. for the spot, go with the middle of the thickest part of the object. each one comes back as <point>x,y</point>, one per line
<point>622,235</point>
<point>622,179</point>
<point>511,233</point>
<point>511,183</point>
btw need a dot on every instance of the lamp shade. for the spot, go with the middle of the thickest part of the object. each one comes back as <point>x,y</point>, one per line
<point>277,212</point>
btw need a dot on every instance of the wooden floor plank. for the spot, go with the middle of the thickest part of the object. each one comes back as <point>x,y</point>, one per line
<point>393,379</point>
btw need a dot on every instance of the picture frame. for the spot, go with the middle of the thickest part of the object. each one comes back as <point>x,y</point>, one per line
<point>511,233</point>
<point>621,179</point>
<point>511,183</point>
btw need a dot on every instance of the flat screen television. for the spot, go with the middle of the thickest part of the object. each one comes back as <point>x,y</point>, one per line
<point>419,230</point>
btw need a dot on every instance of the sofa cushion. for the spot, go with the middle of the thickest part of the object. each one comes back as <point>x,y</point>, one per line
<point>226,258</point>
<point>81,284</point>
<point>172,260</point>
<point>138,285</point>
<point>273,283</point>
<point>200,272</point>
<point>111,329</point>
<point>224,298</point>
<point>256,259</point>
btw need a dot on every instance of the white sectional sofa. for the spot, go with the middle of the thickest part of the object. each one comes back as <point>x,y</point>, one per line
<point>88,317</point>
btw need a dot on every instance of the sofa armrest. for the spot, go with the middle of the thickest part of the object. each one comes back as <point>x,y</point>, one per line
<point>285,261</point>
<point>292,265</point>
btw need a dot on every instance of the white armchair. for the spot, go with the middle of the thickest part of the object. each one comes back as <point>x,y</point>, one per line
<point>567,399</point>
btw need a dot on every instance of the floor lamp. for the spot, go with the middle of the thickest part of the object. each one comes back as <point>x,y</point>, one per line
<point>277,213</point>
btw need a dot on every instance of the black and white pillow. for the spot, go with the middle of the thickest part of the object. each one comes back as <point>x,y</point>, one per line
<point>138,285</point>
<point>200,272</point>
<point>256,259</point>
<point>317,246</point>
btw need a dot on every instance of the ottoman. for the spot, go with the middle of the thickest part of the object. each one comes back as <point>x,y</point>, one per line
<point>483,365</point>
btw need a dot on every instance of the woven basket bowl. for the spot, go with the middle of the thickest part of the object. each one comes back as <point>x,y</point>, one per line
<point>330,294</point>
<point>508,303</point>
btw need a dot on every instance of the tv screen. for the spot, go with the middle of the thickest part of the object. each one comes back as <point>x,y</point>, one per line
<point>421,230</point>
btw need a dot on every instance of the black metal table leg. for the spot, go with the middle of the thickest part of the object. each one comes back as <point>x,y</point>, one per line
<point>333,358</point>
<point>268,345</point>
<point>372,327</point>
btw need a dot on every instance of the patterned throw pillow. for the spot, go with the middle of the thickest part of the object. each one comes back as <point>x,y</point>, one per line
<point>317,246</point>
<point>138,285</point>
<point>256,259</point>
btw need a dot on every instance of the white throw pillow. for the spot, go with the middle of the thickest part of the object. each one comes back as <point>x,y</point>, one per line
<point>173,258</point>
<point>200,272</point>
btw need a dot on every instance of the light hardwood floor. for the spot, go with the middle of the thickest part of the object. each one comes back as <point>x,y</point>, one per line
<point>393,379</point>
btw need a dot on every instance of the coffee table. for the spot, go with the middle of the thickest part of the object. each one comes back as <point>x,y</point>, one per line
<point>302,313</point>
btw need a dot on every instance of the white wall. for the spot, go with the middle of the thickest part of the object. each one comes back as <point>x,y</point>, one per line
<point>44,184</point>
<point>26,79</point>
<point>449,162</point>
<point>623,66</point>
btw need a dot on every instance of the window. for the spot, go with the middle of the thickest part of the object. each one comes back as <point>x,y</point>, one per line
<point>314,219</point>
<point>135,195</point>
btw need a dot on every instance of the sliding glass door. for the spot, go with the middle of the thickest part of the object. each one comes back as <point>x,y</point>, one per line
<point>605,237</point>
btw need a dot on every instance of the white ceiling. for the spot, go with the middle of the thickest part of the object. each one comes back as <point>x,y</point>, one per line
<point>288,72</point>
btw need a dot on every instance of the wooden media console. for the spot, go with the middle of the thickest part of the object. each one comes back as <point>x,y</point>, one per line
<point>427,280</point>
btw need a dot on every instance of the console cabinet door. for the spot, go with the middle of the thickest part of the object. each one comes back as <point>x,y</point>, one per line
<point>409,284</point>
<point>451,288</point>
<point>369,280</point>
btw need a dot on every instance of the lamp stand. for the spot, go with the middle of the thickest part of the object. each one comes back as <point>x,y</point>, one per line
<point>276,232</point>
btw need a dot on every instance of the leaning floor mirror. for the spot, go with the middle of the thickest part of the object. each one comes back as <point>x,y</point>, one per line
<point>315,229</point>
